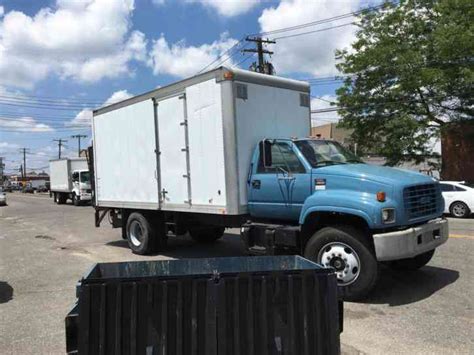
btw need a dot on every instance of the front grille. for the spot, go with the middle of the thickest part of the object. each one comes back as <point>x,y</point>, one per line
<point>421,200</point>
<point>88,191</point>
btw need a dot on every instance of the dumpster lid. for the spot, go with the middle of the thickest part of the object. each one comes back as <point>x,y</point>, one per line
<point>195,267</point>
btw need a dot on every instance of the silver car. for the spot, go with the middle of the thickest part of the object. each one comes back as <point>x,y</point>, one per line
<point>3,197</point>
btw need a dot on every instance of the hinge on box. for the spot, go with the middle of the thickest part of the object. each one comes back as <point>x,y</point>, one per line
<point>182,96</point>
<point>184,123</point>
<point>184,149</point>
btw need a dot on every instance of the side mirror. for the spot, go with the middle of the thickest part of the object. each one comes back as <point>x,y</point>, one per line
<point>266,153</point>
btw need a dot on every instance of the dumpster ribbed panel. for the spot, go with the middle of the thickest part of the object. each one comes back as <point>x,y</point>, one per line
<point>250,313</point>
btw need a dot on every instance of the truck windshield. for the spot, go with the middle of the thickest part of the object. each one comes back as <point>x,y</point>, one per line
<point>321,153</point>
<point>85,177</point>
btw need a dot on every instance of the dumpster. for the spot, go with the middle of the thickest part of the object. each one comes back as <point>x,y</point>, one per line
<point>232,305</point>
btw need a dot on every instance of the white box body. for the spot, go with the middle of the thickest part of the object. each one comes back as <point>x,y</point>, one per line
<point>60,171</point>
<point>188,146</point>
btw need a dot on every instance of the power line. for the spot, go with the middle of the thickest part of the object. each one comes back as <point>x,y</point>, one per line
<point>221,55</point>
<point>314,31</point>
<point>318,22</point>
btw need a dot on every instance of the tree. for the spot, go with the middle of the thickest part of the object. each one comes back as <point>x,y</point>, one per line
<point>408,75</point>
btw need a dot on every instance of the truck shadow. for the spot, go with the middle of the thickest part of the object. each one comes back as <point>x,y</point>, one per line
<point>184,247</point>
<point>397,288</point>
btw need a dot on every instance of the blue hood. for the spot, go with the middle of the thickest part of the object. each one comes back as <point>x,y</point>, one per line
<point>380,174</point>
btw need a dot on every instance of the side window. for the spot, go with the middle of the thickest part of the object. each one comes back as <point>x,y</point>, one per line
<point>446,187</point>
<point>283,157</point>
<point>458,188</point>
<point>75,176</point>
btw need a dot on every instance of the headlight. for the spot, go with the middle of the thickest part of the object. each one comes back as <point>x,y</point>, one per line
<point>388,215</point>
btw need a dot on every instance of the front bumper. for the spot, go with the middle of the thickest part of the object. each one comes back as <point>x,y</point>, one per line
<point>85,196</point>
<point>412,241</point>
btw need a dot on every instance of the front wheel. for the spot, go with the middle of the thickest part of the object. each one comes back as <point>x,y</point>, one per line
<point>345,249</point>
<point>414,263</point>
<point>75,199</point>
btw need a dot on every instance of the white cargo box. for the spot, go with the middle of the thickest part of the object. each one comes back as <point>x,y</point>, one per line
<point>60,171</point>
<point>188,146</point>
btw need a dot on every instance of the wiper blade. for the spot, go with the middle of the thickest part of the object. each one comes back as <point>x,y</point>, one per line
<point>354,161</point>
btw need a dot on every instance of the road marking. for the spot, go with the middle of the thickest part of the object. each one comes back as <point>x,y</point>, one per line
<point>461,236</point>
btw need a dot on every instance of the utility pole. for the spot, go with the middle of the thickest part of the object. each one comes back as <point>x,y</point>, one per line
<point>262,67</point>
<point>2,166</point>
<point>60,144</point>
<point>79,136</point>
<point>23,172</point>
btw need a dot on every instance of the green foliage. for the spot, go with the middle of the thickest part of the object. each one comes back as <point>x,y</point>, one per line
<point>410,71</point>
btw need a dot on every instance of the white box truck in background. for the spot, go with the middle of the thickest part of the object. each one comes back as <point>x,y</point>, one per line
<point>70,179</point>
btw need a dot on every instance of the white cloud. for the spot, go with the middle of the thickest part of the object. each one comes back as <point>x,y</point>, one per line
<point>24,124</point>
<point>228,8</point>
<point>8,147</point>
<point>2,11</point>
<point>84,117</point>
<point>83,40</point>
<point>181,60</point>
<point>323,102</point>
<point>312,53</point>
<point>118,96</point>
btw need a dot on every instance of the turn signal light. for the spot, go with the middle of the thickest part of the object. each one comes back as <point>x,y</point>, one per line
<point>381,196</point>
<point>228,75</point>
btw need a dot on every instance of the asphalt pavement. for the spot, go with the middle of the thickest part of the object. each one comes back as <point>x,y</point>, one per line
<point>46,248</point>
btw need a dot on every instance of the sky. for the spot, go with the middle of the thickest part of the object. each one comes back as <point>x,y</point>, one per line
<point>61,58</point>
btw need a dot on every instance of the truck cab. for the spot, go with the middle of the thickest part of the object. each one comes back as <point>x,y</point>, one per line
<point>81,186</point>
<point>341,212</point>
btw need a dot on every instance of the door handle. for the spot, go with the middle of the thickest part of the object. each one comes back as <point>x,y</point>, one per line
<point>286,178</point>
<point>256,184</point>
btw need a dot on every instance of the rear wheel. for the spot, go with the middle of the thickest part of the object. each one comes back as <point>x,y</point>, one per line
<point>459,209</point>
<point>412,263</point>
<point>345,249</point>
<point>206,234</point>
<point>144,235</point>
<point>59,198</point>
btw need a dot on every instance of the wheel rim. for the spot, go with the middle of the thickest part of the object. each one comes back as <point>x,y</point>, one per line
<point>343,259</point>
<point>136,233</point>
<point>459,210</point>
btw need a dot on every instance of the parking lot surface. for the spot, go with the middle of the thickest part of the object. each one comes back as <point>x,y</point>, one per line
<point>46,248</point>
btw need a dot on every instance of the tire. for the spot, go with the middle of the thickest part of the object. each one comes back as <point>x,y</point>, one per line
<point>347,250</point>
<point>411,264</point>
<point>459,209</point>
<point>144,235</point>
<point>206,235</point>
<point>59,198</point>
<point>75,200</point>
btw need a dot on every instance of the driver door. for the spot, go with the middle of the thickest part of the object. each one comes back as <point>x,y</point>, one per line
<point>278,190</point>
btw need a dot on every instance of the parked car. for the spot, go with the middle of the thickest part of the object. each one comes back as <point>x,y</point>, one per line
<point>3,197</point>
<point>458,198</point>
<point>7,188</point>
<point>42,188</point>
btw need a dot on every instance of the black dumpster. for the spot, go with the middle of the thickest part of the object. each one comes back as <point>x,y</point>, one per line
<point>237,305</point>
